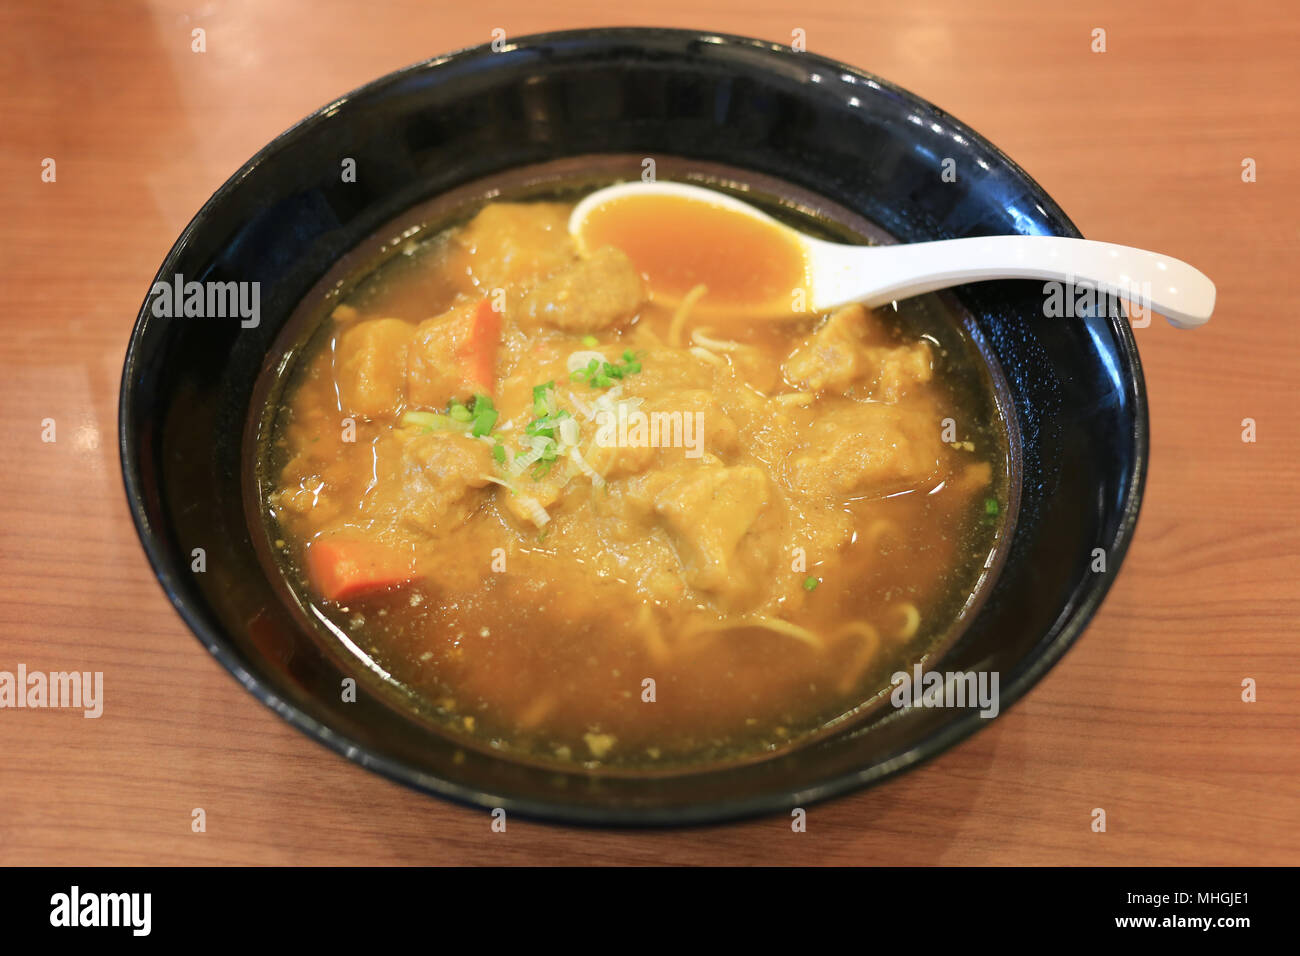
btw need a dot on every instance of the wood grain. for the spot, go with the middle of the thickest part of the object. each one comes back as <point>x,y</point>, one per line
<point>1142,144</point>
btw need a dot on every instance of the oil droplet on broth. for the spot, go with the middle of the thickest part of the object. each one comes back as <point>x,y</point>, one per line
<point>679,243</point>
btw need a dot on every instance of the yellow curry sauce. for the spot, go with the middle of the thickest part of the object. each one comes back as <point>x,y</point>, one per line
<point>586,526</point>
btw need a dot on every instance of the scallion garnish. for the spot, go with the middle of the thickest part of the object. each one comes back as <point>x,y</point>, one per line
<point>483,422</point>
<point>431,421</point>
<point>544,399</point>
<point>600,374</point>
<point>547,424</point>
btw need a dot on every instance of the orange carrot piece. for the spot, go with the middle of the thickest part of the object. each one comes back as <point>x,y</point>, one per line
<point>480,349</point>
<point>343,568</point>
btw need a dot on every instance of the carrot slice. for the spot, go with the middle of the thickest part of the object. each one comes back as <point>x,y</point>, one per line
<point>480,349</point>
<point>343,568</point>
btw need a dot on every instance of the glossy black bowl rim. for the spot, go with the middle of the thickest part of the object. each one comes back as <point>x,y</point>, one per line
<point>947,736</point>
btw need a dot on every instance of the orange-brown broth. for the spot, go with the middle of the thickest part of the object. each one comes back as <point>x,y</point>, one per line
<point>679,243</point>
<point>550,658</point>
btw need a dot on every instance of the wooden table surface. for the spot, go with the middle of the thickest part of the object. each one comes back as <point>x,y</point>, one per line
<point>1142,144</point>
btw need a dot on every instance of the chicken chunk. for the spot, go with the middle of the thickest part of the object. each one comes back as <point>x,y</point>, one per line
<point>532,496</point>
<point>613,460</point>
<point>440,473</point>
<point>847,351</point>
<point>693,420</point>
<point>861,449</point>
<point>708,513</point>
<point>592,294</point>
<point>371,369</point>
<point>435,370</point>
<point>517,244</point>
<point>833,357</point>
<point>899,369</point>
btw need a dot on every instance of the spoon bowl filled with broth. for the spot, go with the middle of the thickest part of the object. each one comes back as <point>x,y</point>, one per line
<point>552,522</point>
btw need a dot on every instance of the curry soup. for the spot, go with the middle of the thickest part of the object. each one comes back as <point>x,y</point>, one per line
<point>581,516</point>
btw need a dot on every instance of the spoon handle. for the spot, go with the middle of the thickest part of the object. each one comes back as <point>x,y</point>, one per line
<point>877,275</point>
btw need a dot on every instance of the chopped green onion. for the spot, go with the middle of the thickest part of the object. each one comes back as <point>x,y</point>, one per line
<point>431,421</point>
<point>546,425</point>
<point>543,446</point>
<point>810,583</point>
<point>544,399</point>
<point>483,422</point>
<point>590,341</point>
<point>460,412</point>
<point>600,374</point>
<point>482,403</point>
<point>499,454</point>
<point>990,506</point>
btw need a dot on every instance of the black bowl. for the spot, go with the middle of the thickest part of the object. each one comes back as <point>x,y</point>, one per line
<point>1075,385</point>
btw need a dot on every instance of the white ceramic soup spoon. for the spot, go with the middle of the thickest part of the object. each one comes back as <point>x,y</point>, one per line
<point>876,275</point>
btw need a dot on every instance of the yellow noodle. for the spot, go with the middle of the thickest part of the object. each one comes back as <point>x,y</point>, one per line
<point>911,621</point>
<point>856,629</point>
<point>707,356</point>
<point>702,337</point>
<point>774,624</point>
<point>790,630</point>
<point>683,311</point>
<point>870,646</point>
